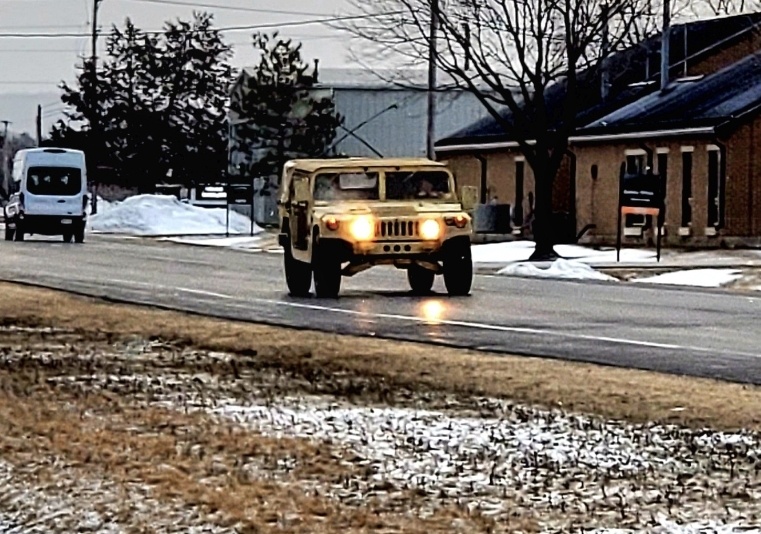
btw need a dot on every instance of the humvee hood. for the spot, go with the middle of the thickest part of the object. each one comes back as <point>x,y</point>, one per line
<point>390,209</point>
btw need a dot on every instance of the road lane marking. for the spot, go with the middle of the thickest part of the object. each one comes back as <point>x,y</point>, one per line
<point>469,324</point>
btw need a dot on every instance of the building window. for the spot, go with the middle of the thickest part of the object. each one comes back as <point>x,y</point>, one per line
<point>686,188</point>
<point>636,163</point>
<point>715,188</point>
<point>519,177</point>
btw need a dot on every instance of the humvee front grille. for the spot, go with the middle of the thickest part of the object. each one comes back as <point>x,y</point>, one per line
<point>397,228</point>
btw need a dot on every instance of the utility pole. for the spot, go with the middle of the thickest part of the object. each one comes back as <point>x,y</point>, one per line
<point>432,52</point>
<point>39,125</point>
<point>665,42</point>
<point>94,119</point>
<point>605,72</point>
<point>6,167</point>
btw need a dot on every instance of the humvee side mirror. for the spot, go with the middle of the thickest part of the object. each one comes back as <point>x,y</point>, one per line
<point>469,197</point>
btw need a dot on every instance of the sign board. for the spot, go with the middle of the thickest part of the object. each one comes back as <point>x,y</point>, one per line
<point>239,195</point>
<point>642,190</point>
<point>208,195</point>
<point>641,194</point>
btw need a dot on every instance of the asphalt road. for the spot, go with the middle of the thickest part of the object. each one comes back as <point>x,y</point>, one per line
<point>696,332</point>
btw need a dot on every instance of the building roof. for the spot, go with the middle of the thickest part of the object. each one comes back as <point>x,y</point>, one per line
<point>698,102</point>
<point>633,74</point>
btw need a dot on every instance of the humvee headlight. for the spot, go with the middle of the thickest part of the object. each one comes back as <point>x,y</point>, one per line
<point>430,230</point>
<point>331,223</point>
<point>362,228</point>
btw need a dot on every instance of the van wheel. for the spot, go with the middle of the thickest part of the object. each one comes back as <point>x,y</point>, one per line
<point>420,279</point>
<point>67,237</point>
<point>327,273</point>
<point>9,233</point>
<point>298,275</point>
<point>458,270</point>
<point>79,235</point>
<point>19,235</point>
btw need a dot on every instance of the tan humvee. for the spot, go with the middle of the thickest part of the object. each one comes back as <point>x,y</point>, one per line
<point>339,217</point>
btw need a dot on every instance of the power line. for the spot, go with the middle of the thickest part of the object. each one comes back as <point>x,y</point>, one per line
<point>38,26</point>
<point>276,25</point>
<point>72,50</point>
<point>231,8</point>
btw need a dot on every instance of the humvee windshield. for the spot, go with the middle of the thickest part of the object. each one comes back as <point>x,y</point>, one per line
<point>346,186</point>
<point>410,185</point>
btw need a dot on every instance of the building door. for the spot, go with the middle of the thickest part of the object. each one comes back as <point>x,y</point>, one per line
<point>715,188</point>
<point>686,189</point>
<point>519,178</point>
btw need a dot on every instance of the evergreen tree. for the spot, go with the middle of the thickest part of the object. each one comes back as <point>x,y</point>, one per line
<point>160,104</point>
<point>279,113</point>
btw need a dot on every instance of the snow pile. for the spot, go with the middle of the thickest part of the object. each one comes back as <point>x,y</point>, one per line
<point>156,215</point>
<point>695,277</point>
<point>515,251</point>
<point>567,269</point>
<point>103,205</point>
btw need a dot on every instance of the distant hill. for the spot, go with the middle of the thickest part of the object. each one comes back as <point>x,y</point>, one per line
<point>21,109</point>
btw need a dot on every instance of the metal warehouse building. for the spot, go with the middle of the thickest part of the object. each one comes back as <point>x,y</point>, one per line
<point>385,114</point>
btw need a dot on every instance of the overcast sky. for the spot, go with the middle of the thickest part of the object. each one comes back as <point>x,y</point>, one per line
<point>36,65</point>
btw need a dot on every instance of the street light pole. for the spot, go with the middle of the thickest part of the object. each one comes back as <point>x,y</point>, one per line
<point>6,167</point>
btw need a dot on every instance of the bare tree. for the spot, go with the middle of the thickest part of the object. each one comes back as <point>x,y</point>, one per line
<point>523,56</point>
<point>725,7</point>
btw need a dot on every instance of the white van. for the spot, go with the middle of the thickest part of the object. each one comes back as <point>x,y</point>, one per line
<point>49,194</point>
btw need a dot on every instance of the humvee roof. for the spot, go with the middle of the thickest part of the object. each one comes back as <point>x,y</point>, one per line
<point>312,165</point>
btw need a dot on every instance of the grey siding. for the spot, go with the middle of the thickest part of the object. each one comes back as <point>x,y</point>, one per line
<point>399,131</point>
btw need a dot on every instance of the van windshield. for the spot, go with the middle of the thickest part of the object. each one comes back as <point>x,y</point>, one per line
<point>409,185</point>
<point>54,181</point>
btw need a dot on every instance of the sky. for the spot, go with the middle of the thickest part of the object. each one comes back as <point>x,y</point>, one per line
<point>31,68</point>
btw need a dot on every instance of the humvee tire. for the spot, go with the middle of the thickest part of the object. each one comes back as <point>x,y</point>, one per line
<point>298,275</point>
<point>420,279</point>
<point>458,270</point>
<point>327,273</point>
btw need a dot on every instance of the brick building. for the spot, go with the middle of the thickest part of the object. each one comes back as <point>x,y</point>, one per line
<point>702,126</point>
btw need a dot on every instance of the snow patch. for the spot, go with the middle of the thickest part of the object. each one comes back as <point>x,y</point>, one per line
<point>567,269</point>
<point>516,251</point>
<point>695,277</point>
<point>163,215</point>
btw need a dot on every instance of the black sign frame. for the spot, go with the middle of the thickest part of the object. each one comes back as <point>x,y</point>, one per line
<point>641,194</point>
<point>239,194</point>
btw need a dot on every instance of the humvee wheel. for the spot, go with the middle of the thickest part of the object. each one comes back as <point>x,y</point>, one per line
<point>458,270</point>
<point>420,279</point>
<point>298,275</point>
<point>327,273</point>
